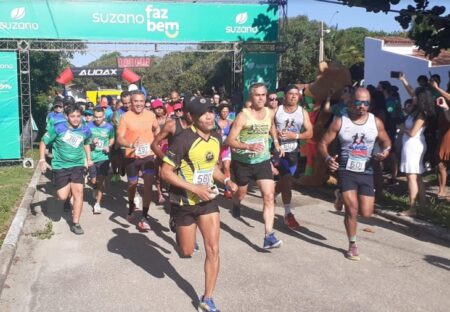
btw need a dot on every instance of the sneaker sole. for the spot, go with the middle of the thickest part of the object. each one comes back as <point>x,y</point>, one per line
<point>353,258</point>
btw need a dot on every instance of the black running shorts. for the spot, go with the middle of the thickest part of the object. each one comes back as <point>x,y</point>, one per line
<point>62,177</point>
<point>188,214</point>
<point>243,173</point>
<point>362,183</point>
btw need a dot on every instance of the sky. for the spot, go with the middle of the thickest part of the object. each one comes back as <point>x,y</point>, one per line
<point>331,14</point>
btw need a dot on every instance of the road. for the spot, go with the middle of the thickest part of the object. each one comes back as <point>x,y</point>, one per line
<point>113,267</point>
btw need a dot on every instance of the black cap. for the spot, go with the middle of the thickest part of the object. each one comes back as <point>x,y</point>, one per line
<point>199,105</point>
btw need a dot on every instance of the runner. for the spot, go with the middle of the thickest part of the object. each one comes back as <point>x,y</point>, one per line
<point>249,136</point>
<point>290,118</point>
<point>135,133</point>
<point>116,152</point>
<point>161,115</point>
<point>71,151</point>
<point>190,167</point>
<point>102,140</point>
<point>223,127</point>
<point>357,131</point>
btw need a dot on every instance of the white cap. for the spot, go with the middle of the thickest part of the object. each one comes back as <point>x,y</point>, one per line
<point>132,87</point>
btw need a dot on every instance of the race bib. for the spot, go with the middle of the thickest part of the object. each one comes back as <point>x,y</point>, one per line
<point>142,150</point>
<point>72,139</point>
<point>254,141</point>
<point>100,145</point>
<point>289,146</point>
<point>356,165</point>
<point>203,177</point>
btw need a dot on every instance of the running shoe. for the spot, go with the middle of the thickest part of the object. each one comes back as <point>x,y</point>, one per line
<point>290,221</point>
<point>236,212</point>
<point>228,194</point>
<point>338,204</point>
<point>196,247</point>
<point>143,225</point>
<point>207,305</point>
<point>77,229</point>
<point>352,253</point>
<point>97,208</point>
<point>270,241</point>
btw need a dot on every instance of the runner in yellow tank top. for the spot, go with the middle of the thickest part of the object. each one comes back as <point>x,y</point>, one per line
<point>249,136</point>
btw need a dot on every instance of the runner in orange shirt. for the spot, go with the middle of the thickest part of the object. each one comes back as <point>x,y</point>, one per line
<point>136,131</point>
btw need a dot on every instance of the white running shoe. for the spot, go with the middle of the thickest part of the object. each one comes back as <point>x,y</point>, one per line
<point>97,208</point>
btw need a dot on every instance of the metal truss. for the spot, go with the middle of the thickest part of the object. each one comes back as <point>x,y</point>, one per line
<point>25,98</point>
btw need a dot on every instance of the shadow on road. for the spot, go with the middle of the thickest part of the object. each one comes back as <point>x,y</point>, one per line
<point>440,262</point>
<point>144,253</point>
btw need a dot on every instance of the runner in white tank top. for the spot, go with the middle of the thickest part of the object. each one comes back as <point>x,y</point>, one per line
<point>290,118</point>
<point>357,133</point>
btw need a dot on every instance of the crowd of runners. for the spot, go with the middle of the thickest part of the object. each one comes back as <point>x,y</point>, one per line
<point>181,148</point>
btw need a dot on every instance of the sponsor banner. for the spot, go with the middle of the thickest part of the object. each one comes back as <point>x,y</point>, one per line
<point>133,62</point>
<point>9,107</point>
<point>138,21</point>
<point>260,67</point>
<point>82,72</point>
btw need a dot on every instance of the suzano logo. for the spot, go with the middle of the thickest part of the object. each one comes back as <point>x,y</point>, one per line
<point>155,20</point>
<point>240,20</point>
<point>16,15</point>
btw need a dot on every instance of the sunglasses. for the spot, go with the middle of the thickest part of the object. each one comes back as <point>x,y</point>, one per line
<point>178,110</point>
<point>272,99</point>
<point>359,103</point>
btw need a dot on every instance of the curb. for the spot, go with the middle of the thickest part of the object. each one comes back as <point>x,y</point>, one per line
<point>429,228</point>
<point>8,249</point>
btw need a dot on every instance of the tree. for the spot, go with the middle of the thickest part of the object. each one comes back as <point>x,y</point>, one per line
<point>429,27</point>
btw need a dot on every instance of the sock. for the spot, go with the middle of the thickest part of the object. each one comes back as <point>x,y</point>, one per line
<point>287,209</point>
<point>145,211</point>
<point>352,239</point>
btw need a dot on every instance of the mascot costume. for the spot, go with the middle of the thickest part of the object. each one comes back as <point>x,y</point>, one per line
<point>332,76</point>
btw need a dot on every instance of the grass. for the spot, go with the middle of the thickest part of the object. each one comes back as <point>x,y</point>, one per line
<point>46,233</point>
<point>13,182</point>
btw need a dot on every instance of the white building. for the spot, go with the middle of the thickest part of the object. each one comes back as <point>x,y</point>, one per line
<point>383,55</point>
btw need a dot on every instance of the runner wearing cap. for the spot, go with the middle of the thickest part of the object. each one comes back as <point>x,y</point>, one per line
<point>249,140</point>
<point>293,124</point>
<point>161,115</point>
<point>135,133</point>
<point>102,140</point>
<point>71,151</point>
<point>190,167</point>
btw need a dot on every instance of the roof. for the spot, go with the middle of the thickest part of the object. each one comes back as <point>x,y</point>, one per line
<point>442,59</point>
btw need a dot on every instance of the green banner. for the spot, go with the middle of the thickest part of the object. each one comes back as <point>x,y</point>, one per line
<point>260,67</point>
<point>138,21</point>
<point>9,107</point>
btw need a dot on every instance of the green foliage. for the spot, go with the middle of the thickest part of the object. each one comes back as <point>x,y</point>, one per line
<point>429,26</point>
<point>45,233</point>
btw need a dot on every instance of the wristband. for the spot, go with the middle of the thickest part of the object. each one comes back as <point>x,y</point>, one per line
<point>226,180</point>
<point>275,141</point>
<point>387,149</point>
<point>297,136</point>
<point>328,158</point>
<point>42,160</point>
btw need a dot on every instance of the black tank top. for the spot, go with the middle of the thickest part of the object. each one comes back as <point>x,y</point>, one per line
<point>178,129</point>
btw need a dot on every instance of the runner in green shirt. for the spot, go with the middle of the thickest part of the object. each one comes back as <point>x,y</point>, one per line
<point>71,153</point>
<point>102,140</point>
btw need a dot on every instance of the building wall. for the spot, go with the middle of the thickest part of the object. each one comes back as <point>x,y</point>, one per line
<point>379,62</point>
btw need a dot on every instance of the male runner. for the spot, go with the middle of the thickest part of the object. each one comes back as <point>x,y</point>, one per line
<point>102,140</point>
<point>357,131</point>
<point>116,152</point>
<point>190,167</point>
<point>290,118</point>
<point>70,152</point>
<point>249,137</point>
<point>135,133</point>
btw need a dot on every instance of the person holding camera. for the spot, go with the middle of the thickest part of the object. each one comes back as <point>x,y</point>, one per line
<point>190,167</point>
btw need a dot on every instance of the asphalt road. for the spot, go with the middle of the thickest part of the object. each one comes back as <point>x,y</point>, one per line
<point>113,267</point>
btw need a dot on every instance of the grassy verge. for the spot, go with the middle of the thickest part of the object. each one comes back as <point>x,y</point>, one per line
<point>13,182</point>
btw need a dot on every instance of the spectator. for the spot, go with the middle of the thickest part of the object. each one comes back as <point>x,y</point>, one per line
<point>444,146</point>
